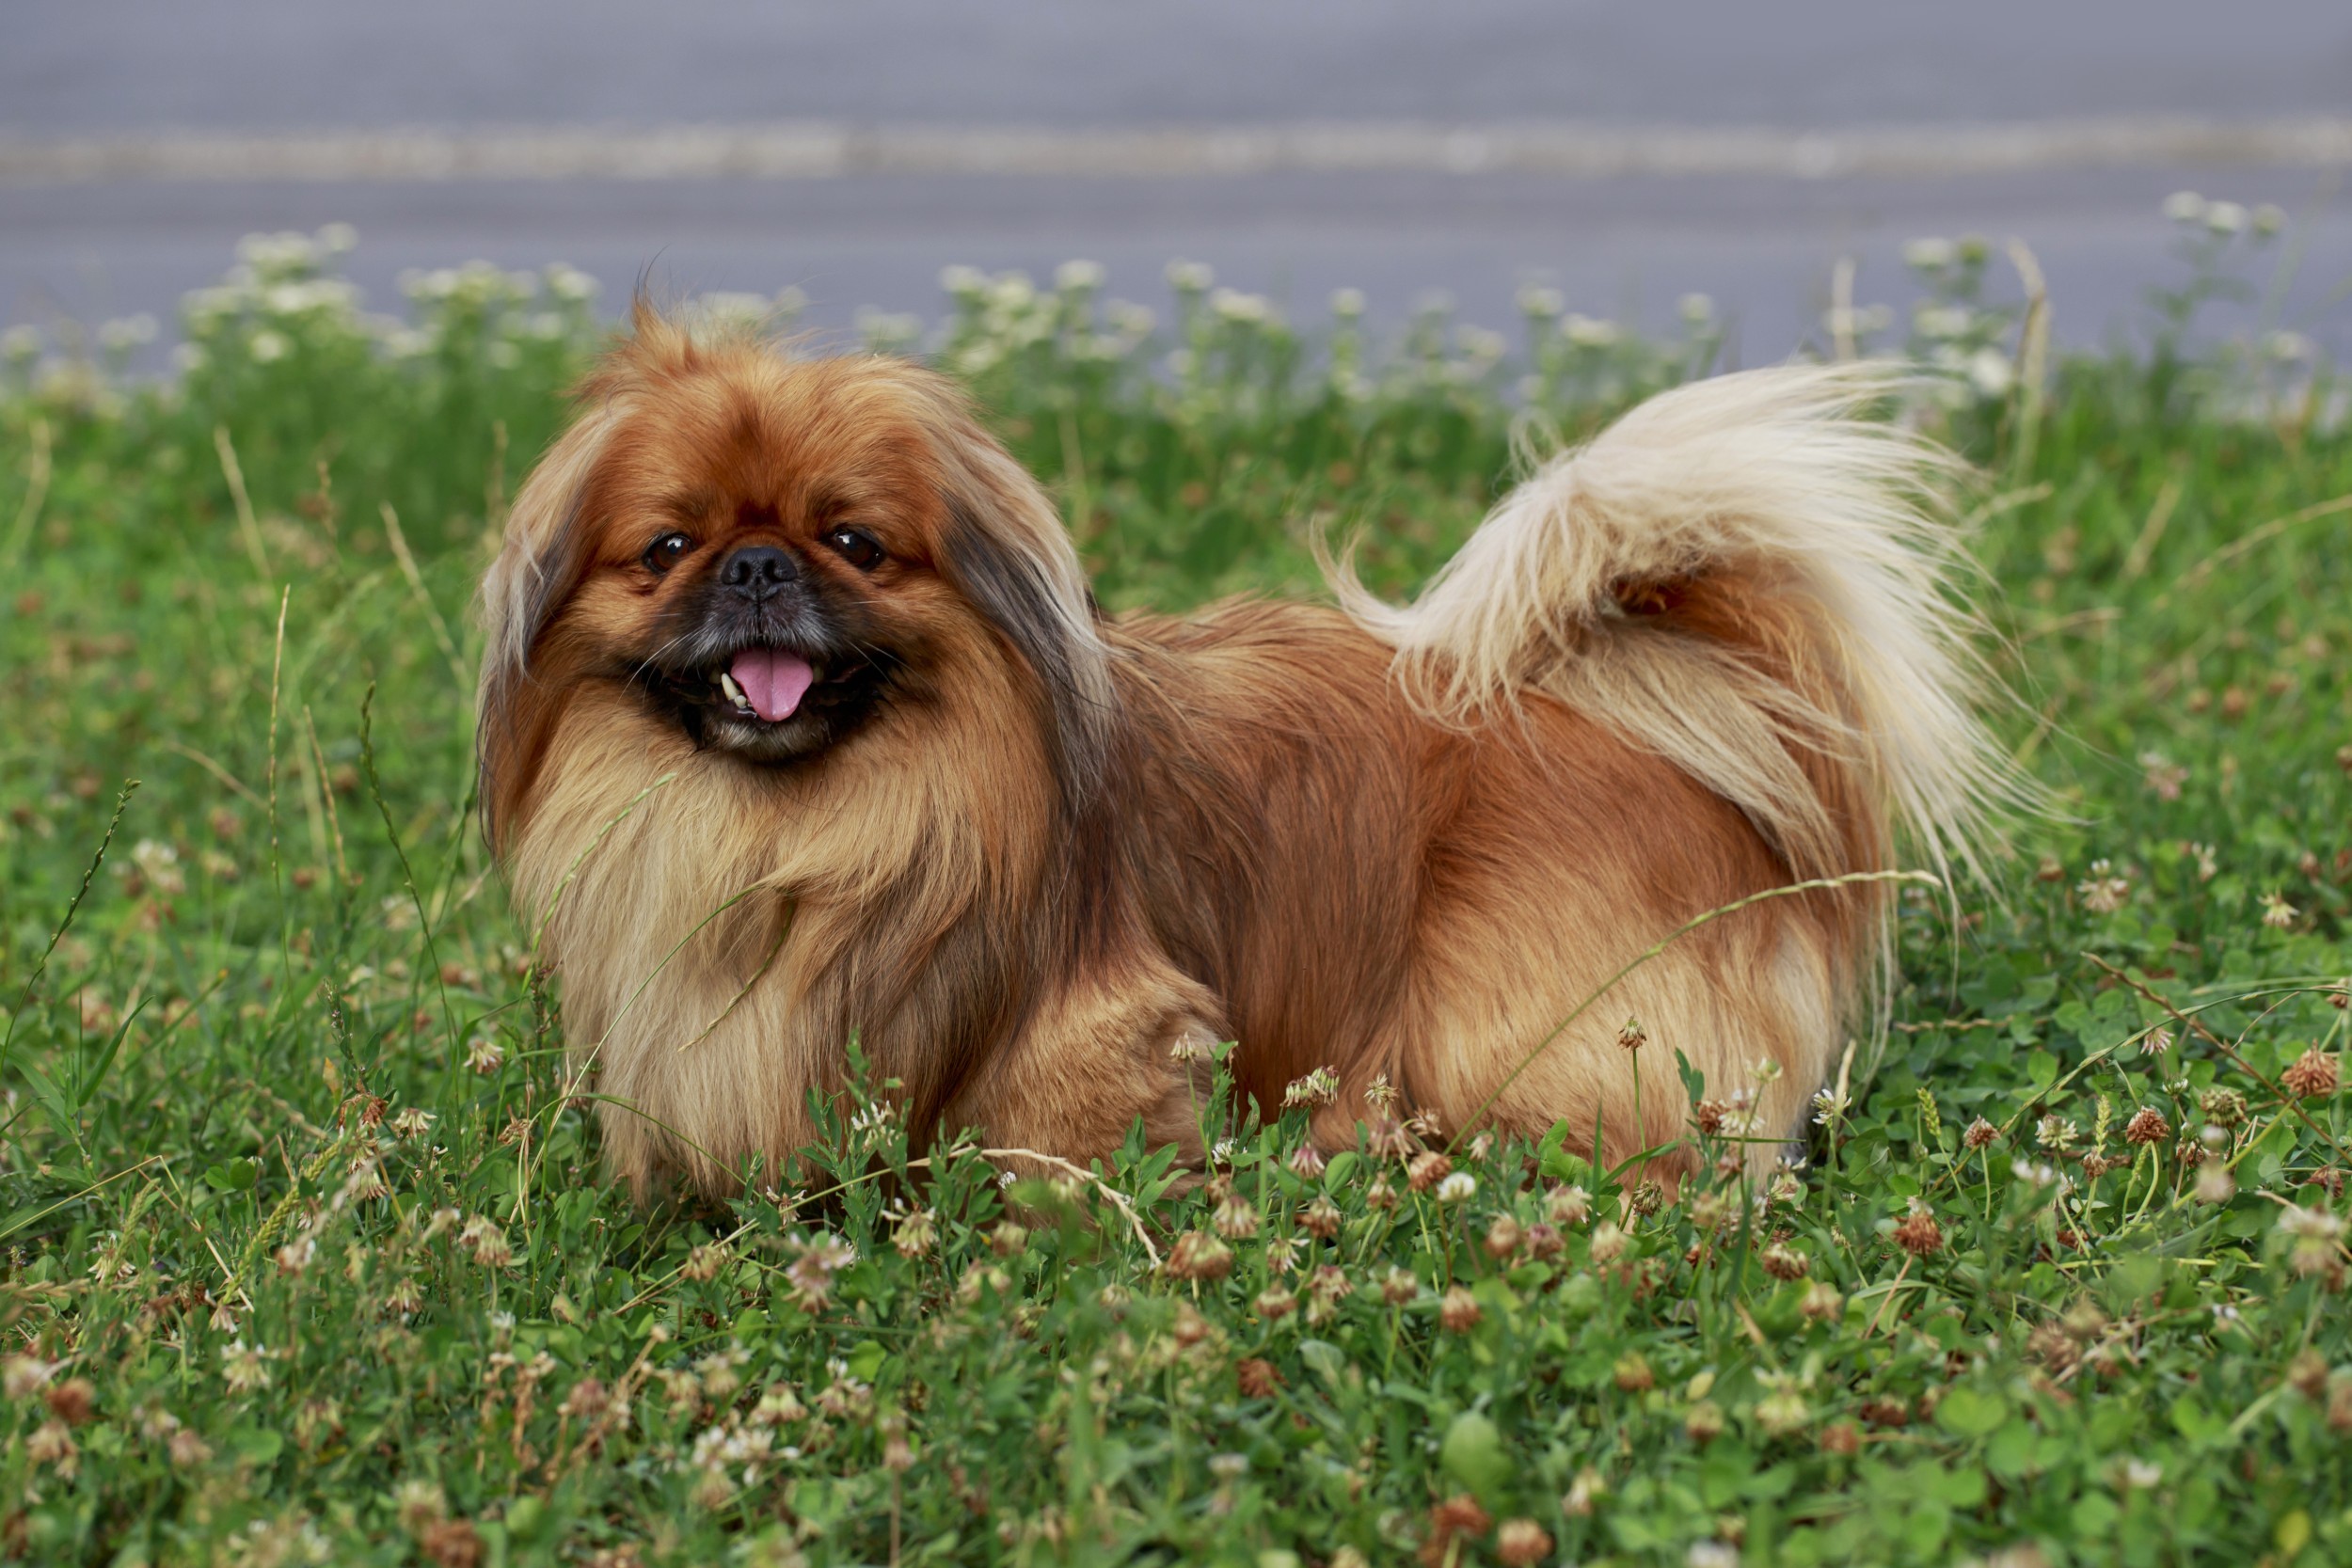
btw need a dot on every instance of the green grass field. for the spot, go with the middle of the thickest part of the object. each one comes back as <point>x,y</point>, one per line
<point>308,1259</point>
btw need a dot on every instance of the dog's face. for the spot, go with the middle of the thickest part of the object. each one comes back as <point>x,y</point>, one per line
<point>759,583</point>
<point>772,556</point>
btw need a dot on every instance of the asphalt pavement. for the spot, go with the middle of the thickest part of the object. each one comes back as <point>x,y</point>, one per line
<point>1626,154</point>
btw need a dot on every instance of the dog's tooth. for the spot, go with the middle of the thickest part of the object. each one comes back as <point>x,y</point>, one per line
<point>734,692</point>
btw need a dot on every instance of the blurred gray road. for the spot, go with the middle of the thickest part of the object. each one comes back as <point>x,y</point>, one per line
<point>140,78</point>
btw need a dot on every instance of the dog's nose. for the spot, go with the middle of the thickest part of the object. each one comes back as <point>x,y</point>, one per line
<point>757,571</point>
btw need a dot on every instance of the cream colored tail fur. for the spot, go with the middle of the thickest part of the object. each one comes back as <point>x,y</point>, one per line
<point>1810,663</point>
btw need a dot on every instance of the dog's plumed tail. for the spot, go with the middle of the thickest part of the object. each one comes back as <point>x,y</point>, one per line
<point>1752,577</point>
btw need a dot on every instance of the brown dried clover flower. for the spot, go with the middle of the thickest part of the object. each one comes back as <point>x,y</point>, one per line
<point>2313,1076</point>
<point>1522,1542</point>
<point>1454,1516</point>
<point>1459,1312</point>
<point>1918,1233</point>
<point>1256,1377</point>
<point>1199,1255</point>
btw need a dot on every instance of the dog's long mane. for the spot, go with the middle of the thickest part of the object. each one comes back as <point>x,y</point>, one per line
<point>724,932</point>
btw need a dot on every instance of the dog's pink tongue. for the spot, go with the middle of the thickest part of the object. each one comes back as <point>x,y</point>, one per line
<point>772,679</point>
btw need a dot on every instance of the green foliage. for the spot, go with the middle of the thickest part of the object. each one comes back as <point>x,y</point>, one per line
<point>310,1257</point>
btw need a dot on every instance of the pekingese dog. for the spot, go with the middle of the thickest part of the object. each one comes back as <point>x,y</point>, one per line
<point>799,724</point>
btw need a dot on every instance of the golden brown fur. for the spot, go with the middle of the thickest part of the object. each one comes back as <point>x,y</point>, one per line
<point>1057,849</point>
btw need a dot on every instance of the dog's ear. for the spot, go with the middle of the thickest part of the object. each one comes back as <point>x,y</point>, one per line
<point>540,560</point>
<point>1006,550</point>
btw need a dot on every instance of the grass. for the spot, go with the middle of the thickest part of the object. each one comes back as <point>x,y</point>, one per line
<point>309,1257</point>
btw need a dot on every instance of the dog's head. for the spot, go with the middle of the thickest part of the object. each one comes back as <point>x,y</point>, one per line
<point>776,556</point>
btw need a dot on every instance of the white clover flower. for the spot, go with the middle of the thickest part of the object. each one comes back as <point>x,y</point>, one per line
<point>1480,344</point>
<point>2268,219</point>
<point>280,252</point>
<point>1190,278</point>
<point>567,282</point>
<point>2141,1474</point>
<point>1940,320</point>
<point>2214,1184</point>
<point>127,332</point>
<point>1078,277</point>
<point>1931,253</point>
<point>1347,304</point>
<point>1989,368</point>
<point>1011,292</point>
<point>20,344</point>
<point>1241,308</point>
<point>2288,347</point>
<point>245,1368</point>
<point>1697,309</point>
<point>267,346</point>
<point>2101,892</point>
<point>1544,303</point>
<point>1459,1187</point>
<point>2225,217</point>
<point>1318,1087</point>
<point>2185,207</point>
<point>1590,331</point>
<point>159,863</point>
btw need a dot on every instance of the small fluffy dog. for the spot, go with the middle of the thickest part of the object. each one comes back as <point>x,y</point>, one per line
<point>799,724</point>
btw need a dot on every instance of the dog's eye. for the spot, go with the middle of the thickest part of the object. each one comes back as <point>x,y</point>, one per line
<point>856,547</point>
<point>666,552</point>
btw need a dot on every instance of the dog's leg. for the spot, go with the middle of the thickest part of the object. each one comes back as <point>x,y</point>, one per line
<point>1105,1047</point>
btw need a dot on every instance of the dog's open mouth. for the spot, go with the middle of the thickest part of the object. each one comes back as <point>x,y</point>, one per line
<point>772,703</point>
<point>767,683</point>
